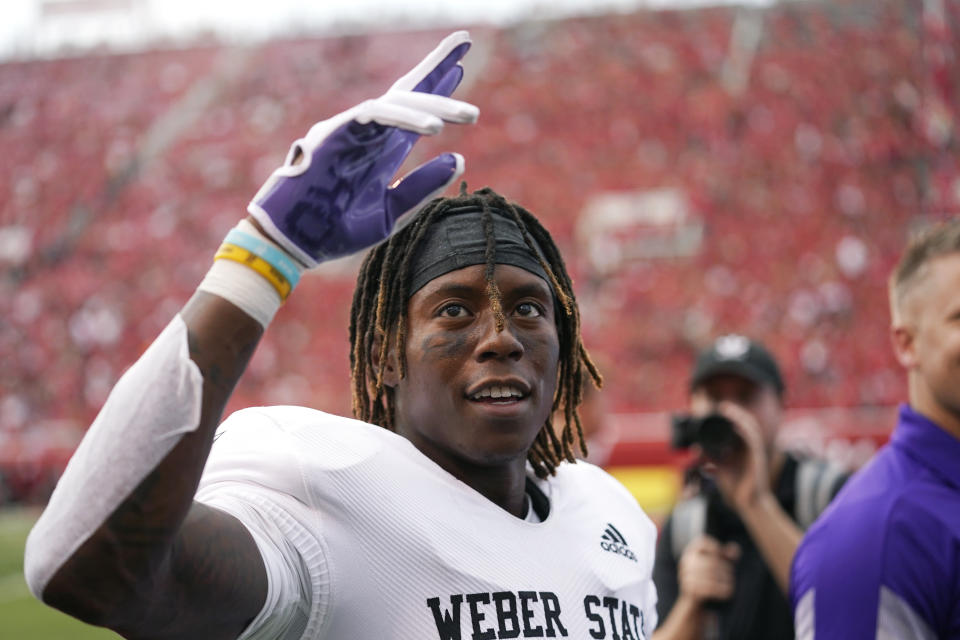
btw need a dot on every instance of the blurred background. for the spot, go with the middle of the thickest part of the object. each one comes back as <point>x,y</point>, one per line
<point>705,167</point>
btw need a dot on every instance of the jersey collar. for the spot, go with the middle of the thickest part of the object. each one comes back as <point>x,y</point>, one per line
<point>925,441</point>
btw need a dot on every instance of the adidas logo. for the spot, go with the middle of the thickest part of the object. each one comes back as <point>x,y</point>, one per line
<point>614,542</point>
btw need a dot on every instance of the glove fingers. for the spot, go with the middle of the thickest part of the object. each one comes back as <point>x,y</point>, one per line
<point>442,107</point>
<point>423,183</point>
<point>433,81</point>
<point>392,114</point>
<point>334,200</point>
<point>319,132</point>
<point>449,82</point>
<point>426,76</point>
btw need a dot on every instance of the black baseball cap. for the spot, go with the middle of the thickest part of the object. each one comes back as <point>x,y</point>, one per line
<point>737,355</point>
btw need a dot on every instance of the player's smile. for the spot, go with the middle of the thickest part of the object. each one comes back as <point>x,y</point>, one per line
<point>472,392</point>
<point>501,396</point>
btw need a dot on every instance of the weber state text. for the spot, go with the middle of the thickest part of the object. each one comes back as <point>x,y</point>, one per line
<point>532,614</point>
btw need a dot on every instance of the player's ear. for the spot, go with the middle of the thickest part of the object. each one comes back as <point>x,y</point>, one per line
<point>904,345</point>
<point>391,369</point>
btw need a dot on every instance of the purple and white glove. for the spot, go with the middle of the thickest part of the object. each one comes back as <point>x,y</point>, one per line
<point>335,200</point>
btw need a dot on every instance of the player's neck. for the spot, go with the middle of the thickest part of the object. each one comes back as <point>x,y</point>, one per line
<point>504,487</point>
<point>922,401</point>
<point>503,484</point>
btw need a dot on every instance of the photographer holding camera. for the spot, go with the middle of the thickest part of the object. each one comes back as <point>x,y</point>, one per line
<point>723,556</point>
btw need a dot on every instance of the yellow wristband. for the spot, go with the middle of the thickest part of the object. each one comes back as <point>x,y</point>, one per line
<point>232,252</point>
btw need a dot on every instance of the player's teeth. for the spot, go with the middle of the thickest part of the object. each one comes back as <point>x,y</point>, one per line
<point>497,392</point>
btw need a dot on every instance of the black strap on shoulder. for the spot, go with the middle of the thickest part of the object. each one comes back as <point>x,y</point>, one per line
<point>689,520</point>
<point>817,481</point>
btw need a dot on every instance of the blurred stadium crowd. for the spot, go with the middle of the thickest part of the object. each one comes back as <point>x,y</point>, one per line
<point>799,145</point>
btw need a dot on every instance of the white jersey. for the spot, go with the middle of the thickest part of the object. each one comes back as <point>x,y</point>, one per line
<point>363,536</point>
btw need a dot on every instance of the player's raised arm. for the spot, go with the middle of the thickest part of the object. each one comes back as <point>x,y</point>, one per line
<point>122,543</point>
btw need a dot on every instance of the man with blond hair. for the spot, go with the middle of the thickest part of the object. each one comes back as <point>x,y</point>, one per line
<point>884,560</point>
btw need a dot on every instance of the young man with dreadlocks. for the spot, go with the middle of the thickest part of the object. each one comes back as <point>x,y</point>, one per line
<point>450,509</point>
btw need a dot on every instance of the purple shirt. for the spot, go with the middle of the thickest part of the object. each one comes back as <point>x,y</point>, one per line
<point>883,561</point>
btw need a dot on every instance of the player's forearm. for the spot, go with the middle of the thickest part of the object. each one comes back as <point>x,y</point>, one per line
<point>124,496</point>
<point>775,534</point>
<point>221,340</point>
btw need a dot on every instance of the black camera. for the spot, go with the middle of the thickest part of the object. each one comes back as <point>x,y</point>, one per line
<point>714,433</point>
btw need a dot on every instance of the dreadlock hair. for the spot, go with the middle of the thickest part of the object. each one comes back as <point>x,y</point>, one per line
<point>379,310</point>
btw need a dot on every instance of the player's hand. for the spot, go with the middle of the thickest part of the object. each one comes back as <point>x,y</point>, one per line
<point>706,569</point>
<point>331,196</point>
<point>743,478</point>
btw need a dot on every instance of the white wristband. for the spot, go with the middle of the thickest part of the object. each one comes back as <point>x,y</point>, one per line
<point>243,286</point>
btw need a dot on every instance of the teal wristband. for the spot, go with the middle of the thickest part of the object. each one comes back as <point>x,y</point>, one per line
<point>269,253</point>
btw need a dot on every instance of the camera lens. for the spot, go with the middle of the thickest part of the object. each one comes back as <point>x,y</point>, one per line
<point>718,438</point>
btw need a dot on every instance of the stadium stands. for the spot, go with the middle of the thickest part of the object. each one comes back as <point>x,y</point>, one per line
<point>120,174</point>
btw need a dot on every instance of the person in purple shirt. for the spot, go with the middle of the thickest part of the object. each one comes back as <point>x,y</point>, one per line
<point>884,559</point>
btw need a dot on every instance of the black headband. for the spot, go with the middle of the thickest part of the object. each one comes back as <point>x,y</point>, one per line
<point>457,240</point>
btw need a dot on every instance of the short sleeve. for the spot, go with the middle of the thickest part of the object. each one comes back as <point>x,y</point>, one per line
<point>290,587</point>
<point>253,473</point>
<point>665,572</point>
<point>650,615</point>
